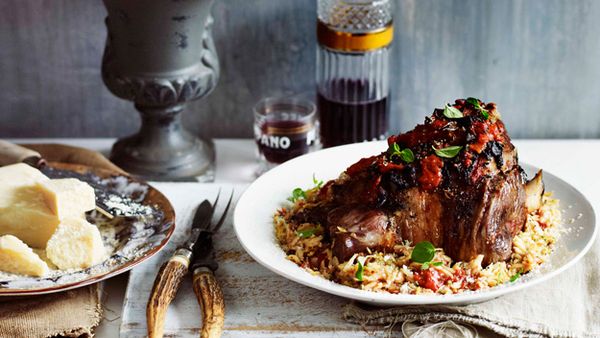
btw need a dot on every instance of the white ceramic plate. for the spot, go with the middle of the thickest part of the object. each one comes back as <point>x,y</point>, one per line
<point>253,221</point>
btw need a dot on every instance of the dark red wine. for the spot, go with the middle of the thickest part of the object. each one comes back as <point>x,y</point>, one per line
<point>283,140</point>
<point>351,117</point>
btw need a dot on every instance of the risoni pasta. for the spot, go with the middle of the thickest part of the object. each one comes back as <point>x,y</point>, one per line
<point>395,272</point>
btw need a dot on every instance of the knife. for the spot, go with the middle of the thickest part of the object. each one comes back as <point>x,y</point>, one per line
<point>197,252</point>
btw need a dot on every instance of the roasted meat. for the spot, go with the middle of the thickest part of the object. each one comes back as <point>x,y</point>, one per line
<point>454,181</point>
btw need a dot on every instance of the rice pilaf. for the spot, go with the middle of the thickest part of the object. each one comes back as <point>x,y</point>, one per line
<point>395,272</point>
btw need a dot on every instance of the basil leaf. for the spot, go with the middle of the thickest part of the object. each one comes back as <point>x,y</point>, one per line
<point>448,152</point>
<point>452,113</point>
<point>484,113</point>
<point>407,155</point>
<point>437,263</point>
<point>297,194</point>
<point>360,269</point>
<point>393,149</point>
<point>423,252</point>
<point>425,266</point>
<point>515,277</point>
<point>474,102</point>
<point>306,233</point>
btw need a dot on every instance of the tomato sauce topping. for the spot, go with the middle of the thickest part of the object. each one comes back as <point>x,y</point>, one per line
<point>486,132</point>
<point>360,165</point>
<point>385,166</point>
<point>431,172</point>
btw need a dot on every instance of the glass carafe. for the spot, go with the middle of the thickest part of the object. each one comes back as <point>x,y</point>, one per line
<point>353,89</point>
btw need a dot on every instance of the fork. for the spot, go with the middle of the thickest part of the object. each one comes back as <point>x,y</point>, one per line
<point>195,255</point>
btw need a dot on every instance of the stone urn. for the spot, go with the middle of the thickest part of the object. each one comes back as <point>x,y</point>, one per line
<point>160,55</point>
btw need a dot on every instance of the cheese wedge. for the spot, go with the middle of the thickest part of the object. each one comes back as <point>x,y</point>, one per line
<point>32,205</point>
<point>76,244</point>
<point>68,197</point>
<point>23,210</point>
<point>20,173</point>
<point>17,175</point>
<point>16,257</point>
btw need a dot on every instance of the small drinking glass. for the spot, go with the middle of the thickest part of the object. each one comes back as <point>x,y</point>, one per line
<point>284,128</point>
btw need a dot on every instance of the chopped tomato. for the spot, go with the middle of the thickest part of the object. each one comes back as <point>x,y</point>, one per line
<point>496,131</point>
<point>438,124</point>
<point>468,159</point>
<point>486,132</point>
<point>360,165</point>
<point>431,172</point>
<point>460,276</point>
<point>387,166</point>
<point>481,130</point>
<point>431,279</point>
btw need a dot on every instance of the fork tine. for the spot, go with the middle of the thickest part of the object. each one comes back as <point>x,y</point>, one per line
<point>218,225</point>
<point>214,204</point>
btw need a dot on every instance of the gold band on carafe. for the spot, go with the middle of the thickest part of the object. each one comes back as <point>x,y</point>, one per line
<point>354,42</point>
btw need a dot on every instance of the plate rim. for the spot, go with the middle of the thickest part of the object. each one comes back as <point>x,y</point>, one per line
<point>403,299</point>
<point>103,173</point>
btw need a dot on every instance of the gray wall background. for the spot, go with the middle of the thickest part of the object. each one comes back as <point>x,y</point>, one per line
<point>538,59</point>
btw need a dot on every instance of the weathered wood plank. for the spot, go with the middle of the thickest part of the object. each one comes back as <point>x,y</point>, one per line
<point>258,302</point>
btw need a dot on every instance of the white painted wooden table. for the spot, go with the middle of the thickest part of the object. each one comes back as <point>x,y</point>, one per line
<point>576,161</point>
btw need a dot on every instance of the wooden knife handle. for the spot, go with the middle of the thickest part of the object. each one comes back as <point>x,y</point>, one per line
<point>164,290</point>
<point>11,153</point>
<point>210,297</point>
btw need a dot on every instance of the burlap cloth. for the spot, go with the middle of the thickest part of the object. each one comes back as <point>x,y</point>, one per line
<point>567,305</point>
<point>73,313</point>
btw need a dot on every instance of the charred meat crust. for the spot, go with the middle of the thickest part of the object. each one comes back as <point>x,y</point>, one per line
<point>469,204</point>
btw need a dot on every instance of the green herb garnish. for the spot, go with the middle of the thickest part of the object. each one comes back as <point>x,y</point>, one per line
<point>515,277</point>
<point>306,233</point>
<point>485,114</point>
<point>423,252</point>
<point>393,150</point>
<point>297,194</point>
<point>452,113</point>
<point>475,103</point>
<point>448,152</point>
<point>360,269</point>
<point>317,183</point>
<point>426,265</point>
<point>405,155</point>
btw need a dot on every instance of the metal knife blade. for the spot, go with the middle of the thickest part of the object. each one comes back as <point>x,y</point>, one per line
<point>204,254</point>
<point>201,221</point>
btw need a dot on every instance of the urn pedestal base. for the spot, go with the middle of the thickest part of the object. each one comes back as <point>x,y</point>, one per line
<point>164,150</point>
